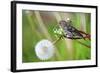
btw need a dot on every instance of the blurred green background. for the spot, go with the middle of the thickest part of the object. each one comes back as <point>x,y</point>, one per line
<point>38,25</point>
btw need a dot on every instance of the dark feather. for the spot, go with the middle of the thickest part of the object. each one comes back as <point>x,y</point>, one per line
<point>70,31</point>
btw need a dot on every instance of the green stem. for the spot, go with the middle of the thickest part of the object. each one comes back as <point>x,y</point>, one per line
<point>84,44</point>
<point>54,42</point>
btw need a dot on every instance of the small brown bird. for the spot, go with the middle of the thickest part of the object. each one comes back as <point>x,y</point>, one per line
<point>70,31</point>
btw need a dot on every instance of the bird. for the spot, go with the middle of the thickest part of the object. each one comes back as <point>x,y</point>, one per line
<point>70,31</point>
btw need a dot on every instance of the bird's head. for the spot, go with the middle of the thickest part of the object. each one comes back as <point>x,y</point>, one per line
<point>63,23</point>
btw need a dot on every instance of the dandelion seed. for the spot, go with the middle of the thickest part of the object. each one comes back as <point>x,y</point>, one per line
<point>44,50</point>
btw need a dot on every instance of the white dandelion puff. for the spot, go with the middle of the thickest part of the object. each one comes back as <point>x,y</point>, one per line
<point>44,50</point>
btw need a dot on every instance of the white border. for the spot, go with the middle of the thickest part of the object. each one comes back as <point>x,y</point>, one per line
<point>37,65</point>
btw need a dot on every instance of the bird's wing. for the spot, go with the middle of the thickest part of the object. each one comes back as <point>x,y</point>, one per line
<point>74,31</point>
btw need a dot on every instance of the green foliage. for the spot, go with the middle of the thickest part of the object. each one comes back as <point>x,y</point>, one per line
<point>32,33</point>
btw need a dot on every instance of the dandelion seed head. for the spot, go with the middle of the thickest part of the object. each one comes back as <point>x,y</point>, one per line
<point>44,50</point>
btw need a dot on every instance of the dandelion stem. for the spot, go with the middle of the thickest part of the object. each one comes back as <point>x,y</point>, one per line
<point>54,42</point>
